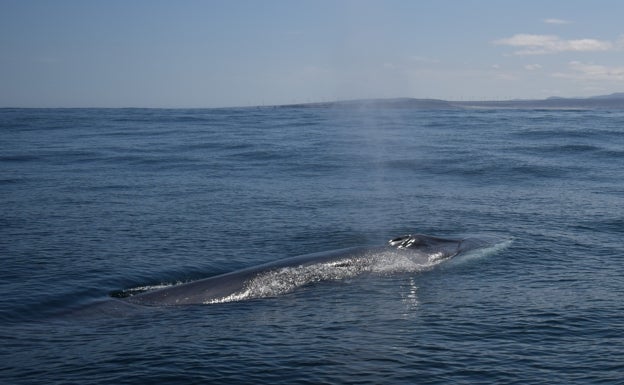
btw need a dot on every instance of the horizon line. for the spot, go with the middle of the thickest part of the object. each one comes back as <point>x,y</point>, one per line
<point>614,95</point>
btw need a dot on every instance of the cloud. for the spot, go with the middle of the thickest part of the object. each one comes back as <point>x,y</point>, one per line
<point>532,67</point>
<point>550,44</point>
<point>583,71</point>
<point>556,21</point>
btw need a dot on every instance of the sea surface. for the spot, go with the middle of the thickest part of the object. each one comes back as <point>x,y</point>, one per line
<point>97,204</point>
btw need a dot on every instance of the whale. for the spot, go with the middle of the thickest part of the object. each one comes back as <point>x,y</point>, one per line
<point>407,253</point>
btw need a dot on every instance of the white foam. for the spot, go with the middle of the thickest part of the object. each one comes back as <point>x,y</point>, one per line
<point>141,289</point>
<point>482,253</point>
<point>394,262</point>
<point>285,280</point>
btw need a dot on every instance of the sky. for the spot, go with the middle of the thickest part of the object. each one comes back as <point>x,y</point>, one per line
<point>224,53</point>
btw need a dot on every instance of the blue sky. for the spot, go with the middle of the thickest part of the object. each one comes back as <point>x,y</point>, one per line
<point>234,53</point>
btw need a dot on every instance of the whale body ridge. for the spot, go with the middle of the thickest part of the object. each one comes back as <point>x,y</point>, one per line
<point>412,252</point>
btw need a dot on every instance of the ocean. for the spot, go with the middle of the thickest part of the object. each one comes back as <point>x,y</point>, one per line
<point>99,203</point>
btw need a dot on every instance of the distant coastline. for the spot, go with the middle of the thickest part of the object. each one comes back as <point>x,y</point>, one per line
<point>613,101</point>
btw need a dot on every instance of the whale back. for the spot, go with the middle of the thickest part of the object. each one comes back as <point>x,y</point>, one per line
<point>414,252</point>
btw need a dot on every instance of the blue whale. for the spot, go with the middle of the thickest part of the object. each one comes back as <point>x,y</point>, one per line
<point>407,253</point>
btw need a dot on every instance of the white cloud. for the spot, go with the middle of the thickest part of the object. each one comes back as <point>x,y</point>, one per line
<point>532,67</point>
<point>587,45</point>
<point>549,44</point>
<point>556,21</point>
<point>583,71</point>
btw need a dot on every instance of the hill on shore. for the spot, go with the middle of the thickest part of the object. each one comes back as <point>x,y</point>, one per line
<point>613,101</point>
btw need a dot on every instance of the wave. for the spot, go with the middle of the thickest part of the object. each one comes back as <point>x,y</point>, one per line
<point>496,170</point>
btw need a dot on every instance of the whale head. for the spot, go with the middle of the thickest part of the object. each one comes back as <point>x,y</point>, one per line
<point>437,248</point>
<point>420,241</point>
<point>447,247</point>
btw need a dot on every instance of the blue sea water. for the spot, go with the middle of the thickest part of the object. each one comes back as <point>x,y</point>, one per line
<point>96,202</point>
